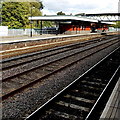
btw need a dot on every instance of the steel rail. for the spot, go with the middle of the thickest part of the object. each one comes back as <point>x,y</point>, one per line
<point>23,50</point>
<point>52,49</point>
<point>49,101</point>
<point>100,97</point>
<point>76,45</point>
<point>38,80</point>
<point>63,57</point>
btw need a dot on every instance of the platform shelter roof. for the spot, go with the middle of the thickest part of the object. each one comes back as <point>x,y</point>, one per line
<point>61,18</point>
<point>65,18</point>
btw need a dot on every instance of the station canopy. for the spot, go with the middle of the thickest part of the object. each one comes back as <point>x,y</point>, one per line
<point>65,18</point>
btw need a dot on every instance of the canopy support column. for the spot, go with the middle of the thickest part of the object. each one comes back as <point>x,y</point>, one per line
<point>41,27</point>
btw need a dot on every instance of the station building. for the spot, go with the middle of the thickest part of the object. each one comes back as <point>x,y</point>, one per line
<point>73,24</point>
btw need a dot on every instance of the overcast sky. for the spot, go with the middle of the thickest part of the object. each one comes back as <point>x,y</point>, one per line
<point>51,7</point>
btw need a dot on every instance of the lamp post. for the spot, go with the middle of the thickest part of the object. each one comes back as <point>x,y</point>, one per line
<point>31,22</point>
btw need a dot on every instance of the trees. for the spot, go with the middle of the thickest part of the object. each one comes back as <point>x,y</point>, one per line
<point>36,7</point>
<point>15,14</point>
<point>117,24</point>
<point>60,13</point>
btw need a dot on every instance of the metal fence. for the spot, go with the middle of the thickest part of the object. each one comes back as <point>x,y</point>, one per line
<point>21,32</point>
<point>27,32</point>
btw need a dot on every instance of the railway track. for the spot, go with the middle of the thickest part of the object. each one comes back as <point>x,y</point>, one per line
<point>14,61</point>
<point>18,48</point>
<point>22,72</point>
<point>84,98</point>
<point>22,59</point>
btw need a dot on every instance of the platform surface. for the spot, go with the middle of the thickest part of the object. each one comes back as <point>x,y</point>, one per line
<point>112,109</point>
<point>11,39</point>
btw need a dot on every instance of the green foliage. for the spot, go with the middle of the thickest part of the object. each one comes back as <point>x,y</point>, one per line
<point>37,24</point>
<point>117,24</point>
<point>60,13</point>
<point>15,14</point>
<point>48,24</point>
<point>36,7</point>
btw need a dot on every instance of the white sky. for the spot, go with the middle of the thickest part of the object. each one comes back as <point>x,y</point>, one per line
<point>51,7</point>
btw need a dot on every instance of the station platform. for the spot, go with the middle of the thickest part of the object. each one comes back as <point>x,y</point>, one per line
<point>39,37</point>
<point>10,39</point>
<point>7,39</point>
<point>112,108</point>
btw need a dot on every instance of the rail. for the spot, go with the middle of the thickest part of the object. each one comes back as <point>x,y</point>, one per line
<point>89,116</point>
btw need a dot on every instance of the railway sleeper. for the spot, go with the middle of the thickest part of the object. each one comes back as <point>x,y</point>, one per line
<point>97,81</point>
<point>64,115</point>
<point>56,115</point>
<point>74,106</point>
<point>79,98</point>
<point>72,110</point>
<point>89,89</point>
<point>93,83</point>
<point>77,102</point>
<point>85,94</point>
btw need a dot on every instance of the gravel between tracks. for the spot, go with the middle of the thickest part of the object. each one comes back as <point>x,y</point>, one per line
<point>20,106</point>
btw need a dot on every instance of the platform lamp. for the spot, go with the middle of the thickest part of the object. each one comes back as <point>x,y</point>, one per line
<point>31,22</point>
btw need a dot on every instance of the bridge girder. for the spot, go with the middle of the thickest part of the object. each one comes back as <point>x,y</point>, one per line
<point>107,17</point>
